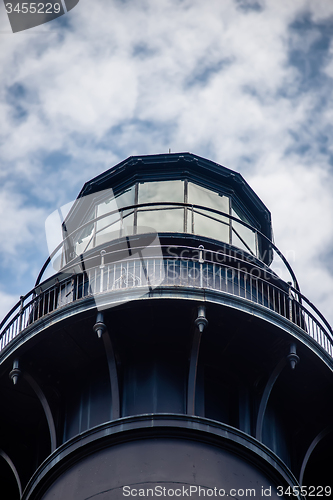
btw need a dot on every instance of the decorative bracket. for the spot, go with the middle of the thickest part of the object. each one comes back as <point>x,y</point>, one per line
<point>312,446</point>
<point>293,359</point>
<point>102,332</point>
<point>201,323</point>
<point>14,375</point>
<point>12,466</point>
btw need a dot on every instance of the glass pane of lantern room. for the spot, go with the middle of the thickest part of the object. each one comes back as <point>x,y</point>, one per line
<point>84,239</point>
<point>242,236</point>
<point>198,195</point>
<point>205,226</point>
<point>150,192</point>
<point>161,219</point>
<point>112,226</point>
<point>126,198</point>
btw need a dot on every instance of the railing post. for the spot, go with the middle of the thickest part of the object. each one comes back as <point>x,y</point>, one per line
<point>201,261</point>
<point>101,285</point>
<point>21,313</point>
<point>290,302</point>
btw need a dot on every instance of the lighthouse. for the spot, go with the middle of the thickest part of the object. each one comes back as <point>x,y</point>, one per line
<point>166,348</point>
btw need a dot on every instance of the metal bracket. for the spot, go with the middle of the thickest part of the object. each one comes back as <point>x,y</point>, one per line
<point>14,375</point>
<point>201,323</point>
<point>293,359</point>
<point>102,332</point>
<point>12,466</point>
<point>312,446</point>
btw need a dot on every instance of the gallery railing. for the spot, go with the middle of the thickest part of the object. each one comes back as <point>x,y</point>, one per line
<point>251,284</point>
<point>131,219</point>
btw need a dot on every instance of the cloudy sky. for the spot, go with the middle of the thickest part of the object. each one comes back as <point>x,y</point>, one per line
<point>246,83</point>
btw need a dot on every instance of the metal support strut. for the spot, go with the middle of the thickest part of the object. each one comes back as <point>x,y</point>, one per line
<point>14,375</point>
<point>200,323</point>
<point>101,330</point>
<point>293,360</point>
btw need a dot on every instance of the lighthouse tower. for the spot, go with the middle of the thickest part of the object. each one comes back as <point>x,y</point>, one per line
<point>170,352</point>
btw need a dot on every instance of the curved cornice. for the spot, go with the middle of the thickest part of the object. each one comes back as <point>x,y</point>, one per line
<point>160,425</point>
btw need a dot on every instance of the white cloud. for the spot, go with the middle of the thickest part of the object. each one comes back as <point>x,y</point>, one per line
<point>140,77</point>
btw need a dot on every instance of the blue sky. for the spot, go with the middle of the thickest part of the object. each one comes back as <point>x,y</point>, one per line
<point>245,83</point>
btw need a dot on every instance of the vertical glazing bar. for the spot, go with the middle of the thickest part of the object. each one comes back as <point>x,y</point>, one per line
<point>185,201</point>
<point>192,220</point>
<point>230,222</point>
<point>95,228</point>
<point>257,244</point>
<point>136,202</point>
